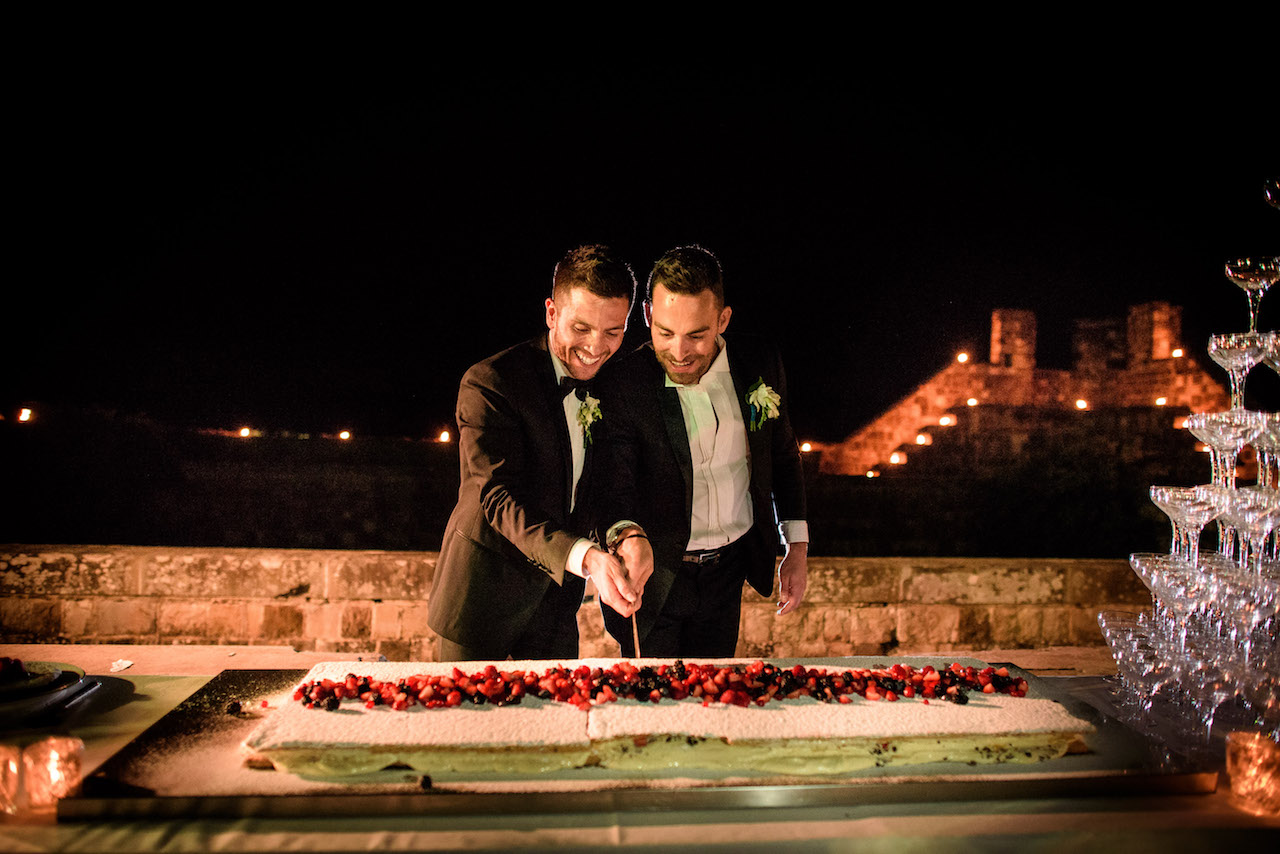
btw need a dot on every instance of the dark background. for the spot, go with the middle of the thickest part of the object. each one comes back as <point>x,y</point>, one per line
<point>311,252</point>
<point>215,238</point>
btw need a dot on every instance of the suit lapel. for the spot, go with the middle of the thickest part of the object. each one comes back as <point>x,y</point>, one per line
<point>555,404</point>
<point>673,420</point>
<point>743,378</point>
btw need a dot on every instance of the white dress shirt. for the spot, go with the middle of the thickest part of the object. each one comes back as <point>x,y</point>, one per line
<point>578,448</point>
<point>722,510</point>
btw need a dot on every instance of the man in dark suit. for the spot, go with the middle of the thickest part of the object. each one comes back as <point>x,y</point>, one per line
<point>701,469</point>
<point>510,576</point>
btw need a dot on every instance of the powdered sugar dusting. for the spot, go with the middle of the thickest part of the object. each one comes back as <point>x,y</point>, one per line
<point>547,723</point>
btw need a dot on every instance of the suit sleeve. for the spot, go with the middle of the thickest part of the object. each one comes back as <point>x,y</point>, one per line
<point>493,443</point>
<point>788,470</point>
<point>615,493</point>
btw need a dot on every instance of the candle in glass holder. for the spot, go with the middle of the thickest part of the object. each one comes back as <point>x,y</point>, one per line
<point>1253,762</point>
<point>10,765</point>
<point>51,769</point>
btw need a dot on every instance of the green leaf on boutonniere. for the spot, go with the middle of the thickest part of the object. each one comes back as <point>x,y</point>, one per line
<point>763,402</point>
<point>588,414</point>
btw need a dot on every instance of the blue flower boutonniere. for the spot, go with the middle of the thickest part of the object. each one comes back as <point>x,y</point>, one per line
<point>763,402</point>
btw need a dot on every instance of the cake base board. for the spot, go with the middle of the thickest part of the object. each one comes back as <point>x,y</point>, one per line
<point>189,764</point>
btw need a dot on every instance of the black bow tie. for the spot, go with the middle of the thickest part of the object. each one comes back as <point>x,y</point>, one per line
<point>579,387</point>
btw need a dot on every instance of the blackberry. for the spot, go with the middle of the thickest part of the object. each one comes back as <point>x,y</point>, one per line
<point>331,704</point>
<point>233,708</point>
<point>894,685</point>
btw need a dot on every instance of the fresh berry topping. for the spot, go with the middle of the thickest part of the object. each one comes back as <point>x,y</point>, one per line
<point>757,683</point>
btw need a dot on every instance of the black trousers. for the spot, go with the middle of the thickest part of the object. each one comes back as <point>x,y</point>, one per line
<point>700,617</point>
<point>552,631</point>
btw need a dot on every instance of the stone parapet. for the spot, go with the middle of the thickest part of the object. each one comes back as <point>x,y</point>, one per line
<point>376,602</point>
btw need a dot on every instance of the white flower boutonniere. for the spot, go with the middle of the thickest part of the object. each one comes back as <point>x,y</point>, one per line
<point>763,402</point>
<point>588,414</point>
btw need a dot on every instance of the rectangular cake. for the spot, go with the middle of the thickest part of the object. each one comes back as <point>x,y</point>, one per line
<point>532,717</point>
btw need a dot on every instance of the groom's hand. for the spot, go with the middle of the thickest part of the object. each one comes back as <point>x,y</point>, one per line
<point>636,554</point>
<point>793,575</point>
<point>610,578</point>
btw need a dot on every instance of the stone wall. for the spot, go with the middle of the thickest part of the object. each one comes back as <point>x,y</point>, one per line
<point>376,601</point>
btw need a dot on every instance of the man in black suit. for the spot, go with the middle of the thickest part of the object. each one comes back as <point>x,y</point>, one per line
<point>510,576</point>
<point>701,468</point>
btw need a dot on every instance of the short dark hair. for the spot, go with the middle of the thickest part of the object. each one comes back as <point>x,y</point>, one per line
<point>688,270</point>
<point>597,269</point>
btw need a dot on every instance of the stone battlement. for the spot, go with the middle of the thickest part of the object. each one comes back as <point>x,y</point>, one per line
<point>1143,367</point>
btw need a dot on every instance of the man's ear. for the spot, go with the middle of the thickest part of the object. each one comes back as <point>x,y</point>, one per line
<point>648,313</point>
<point>551,313</point>
<point>724,319</point>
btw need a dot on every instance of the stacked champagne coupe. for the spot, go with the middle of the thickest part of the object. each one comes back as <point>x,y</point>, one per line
<point>1206,659</point>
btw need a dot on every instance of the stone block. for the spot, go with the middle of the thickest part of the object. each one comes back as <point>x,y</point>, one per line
<point>1096,581</point>
<point>852,580</point>
<point>1083,627</point>
<point>1056,630</point>
<point>208,621</point>
<point>30,620</point>
<point>593,640</point>
<point>380,575</point>
<point>106,573</point>
<point>975,582</point>
<point>399,620</point>
<point>357,620</point>
<point>876,626</point>
<point>281,622</point>
<point>58,573</point>
<point>99,618</point>
<point>922,628</point>
<point>249,573</point>
<point>321,619</point>
<point>396,650</point>
<point>974,627</point>
<point>761,633</point>
<point>1026,626</point>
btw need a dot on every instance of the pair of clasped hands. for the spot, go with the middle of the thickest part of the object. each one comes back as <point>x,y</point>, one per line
<point>620,574</point>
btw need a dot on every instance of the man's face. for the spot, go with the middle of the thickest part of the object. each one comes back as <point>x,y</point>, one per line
<point>585,330</point>
<point>684,329</point>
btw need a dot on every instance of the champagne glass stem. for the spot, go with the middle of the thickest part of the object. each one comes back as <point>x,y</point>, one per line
<point>1255,300</point>
<point>1237,387</point>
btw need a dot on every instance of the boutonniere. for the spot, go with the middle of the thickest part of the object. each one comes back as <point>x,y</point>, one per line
<point>588,414</point>
<point>763,402</point>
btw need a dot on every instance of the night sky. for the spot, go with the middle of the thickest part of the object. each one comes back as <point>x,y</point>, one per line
<point>312,254</point>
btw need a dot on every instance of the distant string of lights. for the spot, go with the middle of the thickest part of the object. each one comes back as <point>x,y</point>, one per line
<point>27,415</point>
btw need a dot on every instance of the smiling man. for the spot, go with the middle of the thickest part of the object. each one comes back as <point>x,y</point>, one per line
<point>510,577</point>
<point>699,459</point>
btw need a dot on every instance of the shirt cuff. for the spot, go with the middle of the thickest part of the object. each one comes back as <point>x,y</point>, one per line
<point>577,555</point>
<point>794,531</point>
